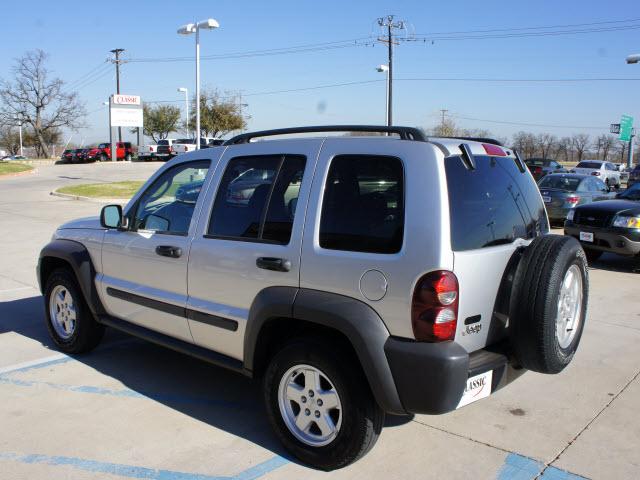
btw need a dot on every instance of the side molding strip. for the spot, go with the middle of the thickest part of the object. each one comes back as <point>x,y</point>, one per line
<point>196,316</point>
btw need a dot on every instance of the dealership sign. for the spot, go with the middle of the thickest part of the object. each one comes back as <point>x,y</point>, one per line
<point>125,111</point>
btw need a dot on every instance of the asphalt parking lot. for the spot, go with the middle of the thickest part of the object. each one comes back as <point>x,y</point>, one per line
<point>133,410</point>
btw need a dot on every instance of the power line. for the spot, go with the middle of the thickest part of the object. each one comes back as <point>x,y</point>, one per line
<point>92,80</point>
<point>525,124</point>
<point>84,77</point>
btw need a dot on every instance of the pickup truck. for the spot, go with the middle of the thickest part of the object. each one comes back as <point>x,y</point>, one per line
<point>147,152</point>
<point>189,145</point>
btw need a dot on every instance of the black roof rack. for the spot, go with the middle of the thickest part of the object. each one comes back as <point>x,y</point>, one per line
<point>475,139</point>
<point>405,133</point>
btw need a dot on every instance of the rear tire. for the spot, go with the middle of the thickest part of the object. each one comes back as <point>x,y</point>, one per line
<point>70,322</point>
<point>103,158</point>
<point>549,303</point>
<point>357,421</point>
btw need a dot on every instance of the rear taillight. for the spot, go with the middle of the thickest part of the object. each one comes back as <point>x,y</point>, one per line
<point>573,199</point>
<point>597,174</point>
<point>170,149</point>
<point>434,307</point>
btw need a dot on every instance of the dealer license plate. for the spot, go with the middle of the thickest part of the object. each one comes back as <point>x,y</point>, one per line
<point>586,236</point>
<point>477,387</point>
<point>546,199</point>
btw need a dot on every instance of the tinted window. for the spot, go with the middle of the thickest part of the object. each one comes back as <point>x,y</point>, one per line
<point>598,185</point>
<point>560,182</point>
<point>163,142</point>
<point>595,165</point>
<point>167,205</point>
<point>363,204</point>
<point>104,145</point>
<point>257,197</point>
<point>493,204</point>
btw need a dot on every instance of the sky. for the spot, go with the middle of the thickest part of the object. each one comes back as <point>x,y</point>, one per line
<point>78,36</point>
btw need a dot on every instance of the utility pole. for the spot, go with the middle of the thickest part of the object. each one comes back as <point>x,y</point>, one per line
<point>116,52</point>
<point>388,23</point>
<point>444,111</point>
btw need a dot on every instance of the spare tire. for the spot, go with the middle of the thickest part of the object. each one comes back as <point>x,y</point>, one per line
<point>548,303</point>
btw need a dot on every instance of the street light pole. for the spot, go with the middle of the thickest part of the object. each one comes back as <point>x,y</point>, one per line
<point>630,60</point>
<point>186,104</point>
<point>188,29</point>
<point>20,133</point>
<point>385,68</point>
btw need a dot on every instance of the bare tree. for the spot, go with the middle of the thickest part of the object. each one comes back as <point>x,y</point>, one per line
<point>546,143</point>
<point>39,102</point>
<point>525,143</point>
<point>621,149</point>
<point>580,144</point>
<point>564,149</point>
<point>607,142</point>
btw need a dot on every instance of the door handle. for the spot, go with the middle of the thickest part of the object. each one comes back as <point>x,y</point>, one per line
<point>275,264</point>
<point>168,251</point>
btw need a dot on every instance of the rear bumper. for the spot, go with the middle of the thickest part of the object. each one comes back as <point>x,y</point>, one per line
<point>558,213</point>
<point>605,240</point>
<point>438,386</point>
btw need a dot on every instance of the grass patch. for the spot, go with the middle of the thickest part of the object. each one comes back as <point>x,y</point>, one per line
<point>103,190</point>
<point>11,167</point>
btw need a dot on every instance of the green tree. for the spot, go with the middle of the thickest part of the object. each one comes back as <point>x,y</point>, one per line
<point>218,115</point>
<point>160,121</point>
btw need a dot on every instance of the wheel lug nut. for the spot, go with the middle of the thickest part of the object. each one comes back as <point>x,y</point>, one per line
<point>317,414</point>
<point>304,399</point>
<point>319,402</point>
<point>311,393</point>
<point>307,411</point>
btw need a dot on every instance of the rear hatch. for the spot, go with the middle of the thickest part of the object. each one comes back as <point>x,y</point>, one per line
<point>494,209</point>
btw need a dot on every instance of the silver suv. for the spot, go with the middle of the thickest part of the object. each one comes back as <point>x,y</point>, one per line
<point>356,276</point>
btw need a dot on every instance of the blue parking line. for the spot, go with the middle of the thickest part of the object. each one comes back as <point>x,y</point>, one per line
<point>36,366</point>
<point>519,467</point>
<point>132,471</point>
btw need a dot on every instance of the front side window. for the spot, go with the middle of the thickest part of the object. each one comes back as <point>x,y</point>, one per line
<point>257,198</point>
<point>363,205</point>
<point>167,205</point>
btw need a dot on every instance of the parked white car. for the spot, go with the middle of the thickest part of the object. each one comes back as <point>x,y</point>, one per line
<point>605,171</point>
<point>182,146</point>
<point>147,152</point>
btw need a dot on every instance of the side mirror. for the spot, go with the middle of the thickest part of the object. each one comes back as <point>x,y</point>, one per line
<point>111,216</point>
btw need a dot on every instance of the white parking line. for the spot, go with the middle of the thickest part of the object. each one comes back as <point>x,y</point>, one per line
<point>32,363</point>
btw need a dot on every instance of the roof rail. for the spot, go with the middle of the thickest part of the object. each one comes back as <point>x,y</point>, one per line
<point>476,139</point>
<point>405,133</point>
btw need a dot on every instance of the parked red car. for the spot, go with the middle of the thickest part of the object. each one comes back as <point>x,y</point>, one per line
<point>124,151</point>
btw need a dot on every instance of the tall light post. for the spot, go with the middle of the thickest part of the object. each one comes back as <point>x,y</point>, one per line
<point>188,29</point>
<point>20,133</point>
<point>385,68</point>
<point>630,60</point>
<point>186,104</point>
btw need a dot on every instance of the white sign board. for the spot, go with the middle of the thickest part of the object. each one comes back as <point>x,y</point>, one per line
<point>126,99</point>
<point>127,117</point>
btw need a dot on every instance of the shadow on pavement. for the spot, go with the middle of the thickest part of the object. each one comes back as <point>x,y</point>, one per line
<point>616,263</point>
<point>218,397</point>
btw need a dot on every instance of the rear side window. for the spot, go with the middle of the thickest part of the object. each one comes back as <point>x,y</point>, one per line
<point>493,204</point>
<point>257,198</point>
<point>363,204</point>
<point>560,182</point>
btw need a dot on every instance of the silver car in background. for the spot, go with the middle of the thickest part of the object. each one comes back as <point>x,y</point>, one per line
<point>605,171</point>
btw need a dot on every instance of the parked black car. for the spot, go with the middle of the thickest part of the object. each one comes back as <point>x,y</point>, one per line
<point>562,192</point>
<point>634,176</point>
<point>609,226</point>
<point>76,157</point>
<point>67,155</point>
<point>539,167</point>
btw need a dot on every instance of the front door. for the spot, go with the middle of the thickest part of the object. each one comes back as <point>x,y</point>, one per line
<point>144,269</point>
<point>250,239</point>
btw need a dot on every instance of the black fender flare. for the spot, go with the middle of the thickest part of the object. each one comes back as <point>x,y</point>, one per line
<point>77,256</point>
<point>357,321</point>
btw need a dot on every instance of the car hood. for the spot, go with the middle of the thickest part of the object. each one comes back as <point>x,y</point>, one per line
<point>613,206</point>
<point>92,223</point>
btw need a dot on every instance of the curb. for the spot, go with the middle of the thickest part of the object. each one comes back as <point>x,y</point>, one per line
<point>19,174</point>
<point>69,196</point>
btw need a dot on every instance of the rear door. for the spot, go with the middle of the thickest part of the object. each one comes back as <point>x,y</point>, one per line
<point>249,238</point>
<point>494,209</point>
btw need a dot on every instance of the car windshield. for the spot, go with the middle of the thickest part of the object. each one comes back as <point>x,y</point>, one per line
<point>185,140</point>
<point>103,145</point>
<point>163,142</point>
<point>570,184</point>
<point>536,162</point>
<point>589,165</point>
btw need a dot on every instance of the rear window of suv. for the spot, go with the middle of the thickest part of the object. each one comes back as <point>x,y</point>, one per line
<point>493,204</point>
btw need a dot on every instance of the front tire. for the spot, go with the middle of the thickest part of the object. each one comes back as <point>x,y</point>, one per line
<point>70,322</point>
<point>320,405</point>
